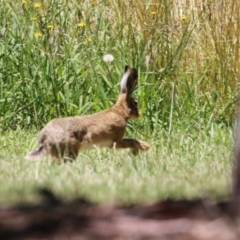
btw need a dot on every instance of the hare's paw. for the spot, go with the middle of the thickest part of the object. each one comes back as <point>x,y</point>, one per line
<point>140,145</point>
<point>143,145</point>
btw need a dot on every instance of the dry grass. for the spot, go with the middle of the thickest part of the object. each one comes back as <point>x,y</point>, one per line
<point>187,55</point>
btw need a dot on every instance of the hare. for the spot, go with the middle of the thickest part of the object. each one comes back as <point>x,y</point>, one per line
<point>63,138</point>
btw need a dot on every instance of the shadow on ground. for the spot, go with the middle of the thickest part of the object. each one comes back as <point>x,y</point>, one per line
<point>56,219</point>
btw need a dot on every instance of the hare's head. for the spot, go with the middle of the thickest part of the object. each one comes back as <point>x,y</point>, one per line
<point>128,83</point>
<point>133,106</point>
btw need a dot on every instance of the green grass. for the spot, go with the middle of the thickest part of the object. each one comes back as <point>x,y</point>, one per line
<point>189,69</point>
<point>179,165</point>
<point>187,56</point>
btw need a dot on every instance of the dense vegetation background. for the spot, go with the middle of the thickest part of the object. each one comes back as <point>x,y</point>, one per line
<point>51,60</point>
<point>187,56</point>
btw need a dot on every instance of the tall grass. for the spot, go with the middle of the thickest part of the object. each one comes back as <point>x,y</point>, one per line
<point>51,65</point>
<point>187,54</point>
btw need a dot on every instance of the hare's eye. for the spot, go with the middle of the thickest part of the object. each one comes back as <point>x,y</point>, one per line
<point>135,103</point>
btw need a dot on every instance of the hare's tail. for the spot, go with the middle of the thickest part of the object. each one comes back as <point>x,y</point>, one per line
<point>36,154</point>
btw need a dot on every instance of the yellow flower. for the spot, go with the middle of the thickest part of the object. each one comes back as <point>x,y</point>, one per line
<point>50,26</point>
<point>34,18</point>
<point>24,2</point>
<point>153,12</point>
<point>38,34</point>
<point>88,39</point>
<point>37,5</point>
<point>183,17</point>
<point>81,24</point>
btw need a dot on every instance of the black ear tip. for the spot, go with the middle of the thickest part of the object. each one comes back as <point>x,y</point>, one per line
<point>126,68</point>
<point>134,72</point>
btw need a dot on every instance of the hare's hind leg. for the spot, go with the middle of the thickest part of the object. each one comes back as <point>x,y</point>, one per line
<point>71,150</point>
<point>134,144</point>
<point>66,151</point>
<point>55,151</point>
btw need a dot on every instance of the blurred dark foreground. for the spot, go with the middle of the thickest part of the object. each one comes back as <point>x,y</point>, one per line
<point>80,219</point>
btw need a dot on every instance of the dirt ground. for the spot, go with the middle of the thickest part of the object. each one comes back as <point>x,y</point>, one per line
<point>80,219</point>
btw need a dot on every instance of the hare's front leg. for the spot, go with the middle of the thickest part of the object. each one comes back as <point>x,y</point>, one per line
<point>134,144</point>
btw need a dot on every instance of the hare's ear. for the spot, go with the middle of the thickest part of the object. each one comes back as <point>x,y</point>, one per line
<point>129,80</point>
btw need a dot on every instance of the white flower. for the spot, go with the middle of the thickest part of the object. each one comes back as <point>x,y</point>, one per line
<point>108,58</point>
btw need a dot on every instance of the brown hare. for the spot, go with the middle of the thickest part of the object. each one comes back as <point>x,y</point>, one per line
<point>65,137</point>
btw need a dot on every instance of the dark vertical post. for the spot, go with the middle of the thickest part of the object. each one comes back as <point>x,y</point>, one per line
<point>235,204</point>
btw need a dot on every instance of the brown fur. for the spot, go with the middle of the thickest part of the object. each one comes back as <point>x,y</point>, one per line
<point>65,137</point>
